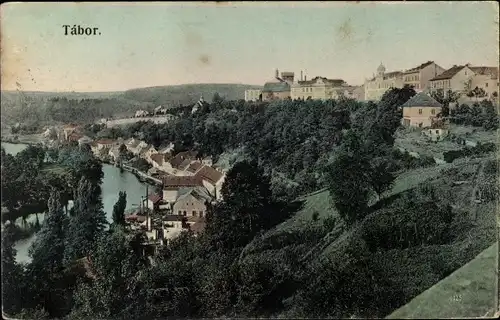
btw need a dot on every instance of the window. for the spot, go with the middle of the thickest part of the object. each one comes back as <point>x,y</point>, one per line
<point>419,111</point>
<point>180,212</point>
<point>486,84</point>
<point>433,111</point>
<point>194,213</point>
<point>201,214</point>
<point>437,131</point>
<point>184,213</point>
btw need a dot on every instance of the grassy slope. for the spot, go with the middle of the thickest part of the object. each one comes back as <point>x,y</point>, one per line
<point>468,292</point>
<point>415,267</point>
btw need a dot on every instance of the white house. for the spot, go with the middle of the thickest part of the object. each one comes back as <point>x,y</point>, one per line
<point>84,140</point>
<point>168,149</point>
<point>141,113</point>
<point>212,179</point>
<point>149,152</point>
<point>104,143</point>
<point>114,152</point>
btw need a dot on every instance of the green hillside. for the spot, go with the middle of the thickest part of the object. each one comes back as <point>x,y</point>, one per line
<point>411,270</point>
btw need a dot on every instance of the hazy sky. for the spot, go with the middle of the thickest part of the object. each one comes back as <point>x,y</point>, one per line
<point>156,44</point>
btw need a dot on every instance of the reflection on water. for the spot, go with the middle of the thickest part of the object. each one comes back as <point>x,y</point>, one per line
<point>113,182</point>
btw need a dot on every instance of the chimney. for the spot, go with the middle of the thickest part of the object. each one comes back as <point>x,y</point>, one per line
<point>301,75</point>
<point>277,74</point>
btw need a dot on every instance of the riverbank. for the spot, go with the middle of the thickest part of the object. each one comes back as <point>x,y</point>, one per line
<point>143,177</point>
<point>114,181</point>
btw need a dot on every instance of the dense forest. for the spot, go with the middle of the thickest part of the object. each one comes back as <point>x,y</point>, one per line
<point>375,250</point>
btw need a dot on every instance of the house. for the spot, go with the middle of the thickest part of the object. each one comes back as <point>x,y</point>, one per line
<point>68,129</point>
<point>198,105</point>
<point>149,152</point>
<point>212,180</point>
<point>437,131</point>
<point>191,203</point>
<point>114,153</point>
<point>207,161</point>
<point>84,140</point>
<point>49,133</point>
<point>194,167</point>
<point>277,89</point>
<point>154,201</point>
<point>381,82</point>
<point>141,113</point>
<point>486,78</point>
<point>457,79</point>
<point>253,95</point>
<point>173,186</point>
<point>74,137</point>
<point>420,76</point>
<point>320,88</point>
<point>168,149</point>
<point>183,159</point>
<point>420,110</point>
<point>104,143</point>
<point>137,147</point>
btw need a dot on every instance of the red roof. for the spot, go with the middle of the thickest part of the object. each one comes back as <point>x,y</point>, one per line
<point>209,174</point>
<point>135,217</point>
<point>155,198</point>
<point>179,158</point>
<point>183,181</point>
<point>195,166</point>
<point>158,158</point>
<point>105,141</point>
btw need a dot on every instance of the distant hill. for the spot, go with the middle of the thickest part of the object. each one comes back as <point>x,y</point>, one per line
<point>69,95</point>
<point>165,95</point>
<point>187,93</point>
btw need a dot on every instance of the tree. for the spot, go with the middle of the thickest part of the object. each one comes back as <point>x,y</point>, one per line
<point>47,252</point>
<point>382,174</point>
<point>119,209</point>
<point>245,209</point>
<point>12,273</point>
<point>115,263</point>
<point>347,177</point>
<point>87,222</point>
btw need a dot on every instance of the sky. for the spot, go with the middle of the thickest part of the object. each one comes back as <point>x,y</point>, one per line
<point>157,44</point>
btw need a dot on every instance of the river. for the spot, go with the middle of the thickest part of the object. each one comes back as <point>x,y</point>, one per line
<point>114,181</point>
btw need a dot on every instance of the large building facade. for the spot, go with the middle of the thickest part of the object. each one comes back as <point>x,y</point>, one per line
<point>418,78</point>
<point>381,82</point>
<point>317,88</point>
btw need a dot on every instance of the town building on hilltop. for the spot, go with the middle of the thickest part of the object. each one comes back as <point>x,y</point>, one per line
<point>320,88</point>
<point>456,79</point>
<point>420,111</point>
<point>486,78</point>
<point>279,88</point>
<point>253,95</point>
<point>381,82</point>
<point>419,77</point>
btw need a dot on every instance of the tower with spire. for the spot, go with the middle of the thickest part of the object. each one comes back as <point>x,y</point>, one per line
<point>380,71</point>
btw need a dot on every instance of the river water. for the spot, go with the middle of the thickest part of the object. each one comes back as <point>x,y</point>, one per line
<point>113,182</point>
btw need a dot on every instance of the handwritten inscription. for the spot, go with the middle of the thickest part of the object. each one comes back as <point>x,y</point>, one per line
<point>77,30</point>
